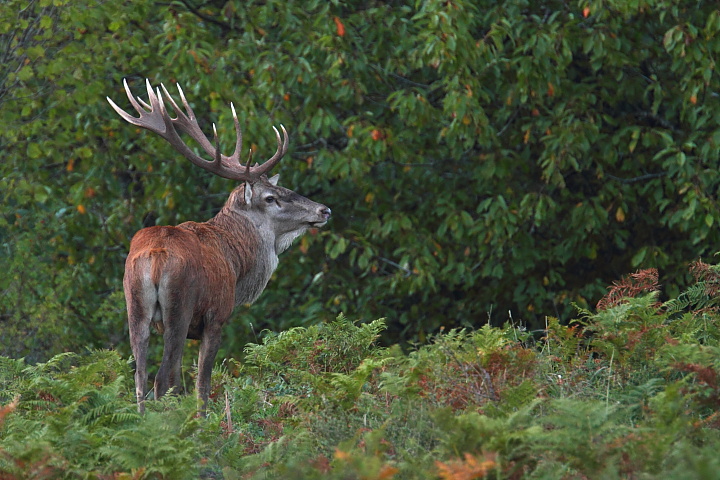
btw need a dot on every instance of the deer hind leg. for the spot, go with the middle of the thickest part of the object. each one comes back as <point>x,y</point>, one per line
<point>176,317</point>
<point>209,346</point>
<point>141,300</point>
<point>139,339</point>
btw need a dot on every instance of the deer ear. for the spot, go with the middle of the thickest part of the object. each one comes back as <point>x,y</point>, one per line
<point>248,193</point>
<point>274,179</point>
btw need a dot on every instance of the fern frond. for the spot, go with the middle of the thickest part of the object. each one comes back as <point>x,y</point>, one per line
<point>640,282</point>
<point>695,298</point>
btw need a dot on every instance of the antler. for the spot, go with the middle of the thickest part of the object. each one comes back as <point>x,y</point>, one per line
<point>155,118</point>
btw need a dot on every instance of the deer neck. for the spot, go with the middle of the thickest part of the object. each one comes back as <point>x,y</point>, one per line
<point>250,249</point>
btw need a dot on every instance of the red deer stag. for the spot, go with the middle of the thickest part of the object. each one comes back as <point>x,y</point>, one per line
<point>186,280</point>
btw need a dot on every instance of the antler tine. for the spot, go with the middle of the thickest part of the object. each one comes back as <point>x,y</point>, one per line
<point>247,165</point>
<point>187,121</point>
<point>177,109</point>
<point>152,97</point>
<point>189,110</point>
<point>126,116</point>
<point>136,101</point>
<point>282,146</point>
<point>238,137</point>
<point>217,159</point>
<point>158,119</point>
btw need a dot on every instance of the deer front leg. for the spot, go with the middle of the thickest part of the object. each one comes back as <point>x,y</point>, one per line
<point>209,346</point>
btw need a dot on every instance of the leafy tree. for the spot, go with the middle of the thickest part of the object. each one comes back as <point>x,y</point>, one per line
<point>479,156</point>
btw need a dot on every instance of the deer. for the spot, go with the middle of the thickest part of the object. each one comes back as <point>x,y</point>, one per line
<point>185,280</point>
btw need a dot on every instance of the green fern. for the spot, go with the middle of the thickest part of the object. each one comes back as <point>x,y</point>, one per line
<point>694,297</point>
<point>618,398</point>
<point>488,339</point>
<point>348,387</point>
<point>301,354</point>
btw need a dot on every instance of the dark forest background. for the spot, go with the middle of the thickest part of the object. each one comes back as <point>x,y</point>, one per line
<point>485,161</point>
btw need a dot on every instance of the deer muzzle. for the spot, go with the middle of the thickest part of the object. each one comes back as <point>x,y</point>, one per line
<point>323,213</point>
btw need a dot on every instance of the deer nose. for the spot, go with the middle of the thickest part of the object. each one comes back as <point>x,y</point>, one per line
<point>325,212</point>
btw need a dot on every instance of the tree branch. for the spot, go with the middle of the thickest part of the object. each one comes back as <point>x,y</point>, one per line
<point>196,11</point>
<point>649,176</point>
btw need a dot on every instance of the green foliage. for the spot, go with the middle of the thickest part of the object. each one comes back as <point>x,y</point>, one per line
<point>345,346</point>
<point>327,402</point>
<point>480,156</point>
<point>73,416</point>
<point>704,294</point>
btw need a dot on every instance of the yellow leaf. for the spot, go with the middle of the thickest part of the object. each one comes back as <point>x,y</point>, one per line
<point>634,137</point>
<point>620,215</point>
<point>81,209</point>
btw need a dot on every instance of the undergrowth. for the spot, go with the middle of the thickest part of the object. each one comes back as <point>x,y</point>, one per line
<point>631,390</point>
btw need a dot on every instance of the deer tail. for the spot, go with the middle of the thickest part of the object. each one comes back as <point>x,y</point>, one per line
<point>158,257</point>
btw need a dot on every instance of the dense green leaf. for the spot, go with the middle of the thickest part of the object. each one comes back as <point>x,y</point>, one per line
<point>479,157</point>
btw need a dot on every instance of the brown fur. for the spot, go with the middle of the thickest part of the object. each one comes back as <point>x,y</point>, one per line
<point>158,257</point>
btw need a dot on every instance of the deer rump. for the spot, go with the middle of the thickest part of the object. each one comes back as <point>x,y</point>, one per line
<point>177,278</point>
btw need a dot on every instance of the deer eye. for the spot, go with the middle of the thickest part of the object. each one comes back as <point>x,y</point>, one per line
<point>270,199</point>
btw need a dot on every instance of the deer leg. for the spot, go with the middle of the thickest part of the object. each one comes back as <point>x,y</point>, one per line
<point>209,346</point>
<point>176,317</point>
<point>141,305</point>
<point>170,372</point>
<point>139,339</point>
